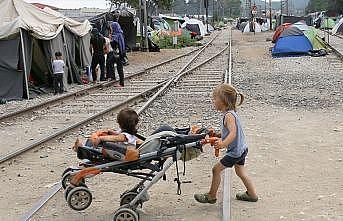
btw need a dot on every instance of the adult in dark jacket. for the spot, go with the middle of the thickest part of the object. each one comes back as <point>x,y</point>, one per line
<point>97,44</point>
<point>118,45</point>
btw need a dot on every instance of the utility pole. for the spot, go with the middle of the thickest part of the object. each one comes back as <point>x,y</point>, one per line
<point>213,13</point>
<point>141,20</point>
<point>270,15</point>
<point>265,8</point>
<point>146,46</point>
<point>206,7</point>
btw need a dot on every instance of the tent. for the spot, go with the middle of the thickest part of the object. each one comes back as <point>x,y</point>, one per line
<point>338,27</point>
<point>126,19</point>
<point>195,25</point>
<point>279,30</point>
<point>328,23</point>
<point>242,26</point>
<point>292,41</point>
<point>29,37</point>
<point>252,27</point>
<point>316,41</point>
<point>301,25</point>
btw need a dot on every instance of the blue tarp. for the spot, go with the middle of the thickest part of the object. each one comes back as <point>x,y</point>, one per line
<point>292,45</point>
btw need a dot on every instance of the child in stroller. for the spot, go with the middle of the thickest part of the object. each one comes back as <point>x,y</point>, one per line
<point>153,156</point>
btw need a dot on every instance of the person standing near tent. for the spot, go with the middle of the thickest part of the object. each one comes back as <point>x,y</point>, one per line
<point>97,44</point>
<point>58,69</point>
<point>118,45</point>
<point>109,60</point>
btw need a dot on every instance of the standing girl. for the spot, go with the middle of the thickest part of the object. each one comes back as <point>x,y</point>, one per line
<point>232,138</point>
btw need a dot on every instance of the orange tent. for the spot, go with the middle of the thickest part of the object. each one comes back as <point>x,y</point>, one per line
<point>279,30</point>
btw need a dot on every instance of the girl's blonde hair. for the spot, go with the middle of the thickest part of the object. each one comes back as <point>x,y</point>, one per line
<point>228,95</point>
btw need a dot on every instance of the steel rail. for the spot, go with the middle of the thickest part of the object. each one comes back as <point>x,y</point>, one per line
<point>58,186</point>
<point>17,152</point>
<point>226,184</point>
<point>339,54</point>
<point>89,89</point>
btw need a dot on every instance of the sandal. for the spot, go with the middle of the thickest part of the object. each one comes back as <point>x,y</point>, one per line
<point>204,198</point>
<point>245,197</point>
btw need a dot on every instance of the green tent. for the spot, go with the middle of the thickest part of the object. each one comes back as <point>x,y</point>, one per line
<point>328,23</point>
<point>317,42</point>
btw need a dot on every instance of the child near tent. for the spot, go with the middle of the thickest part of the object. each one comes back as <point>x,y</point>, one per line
<point>232,138</point>
<point>58,71</point>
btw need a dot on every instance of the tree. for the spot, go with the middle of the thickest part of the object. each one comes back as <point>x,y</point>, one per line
<point>325,5</point>
<point>164,4</point>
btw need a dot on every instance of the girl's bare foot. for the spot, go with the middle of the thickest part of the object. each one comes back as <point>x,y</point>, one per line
<point>77,144</point>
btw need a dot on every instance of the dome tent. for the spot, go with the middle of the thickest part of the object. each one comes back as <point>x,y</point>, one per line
<point>292,41</point>
<point>338,27</point>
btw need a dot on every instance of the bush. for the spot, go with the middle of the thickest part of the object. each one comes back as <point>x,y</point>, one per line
<point>182,41</point>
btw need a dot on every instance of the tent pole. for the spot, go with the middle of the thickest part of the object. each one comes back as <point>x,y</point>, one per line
<point>67,56</point>
<point>24,61</point>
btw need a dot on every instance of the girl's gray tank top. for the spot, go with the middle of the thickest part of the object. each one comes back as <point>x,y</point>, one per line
<point>238,145</point>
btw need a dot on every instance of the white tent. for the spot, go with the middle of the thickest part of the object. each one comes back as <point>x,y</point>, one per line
<point>301,25</point>
<point>195,25</point>
<point>255,26</point>
<point>27,32</point>
<point>338,27</point>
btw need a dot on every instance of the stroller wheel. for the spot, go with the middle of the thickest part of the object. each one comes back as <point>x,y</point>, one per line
<point>66,191</point>
<point>69,188</point>
<point>66,180</point>
<point>125,214</point>
<point>126,198</point>
<point>79,198</point>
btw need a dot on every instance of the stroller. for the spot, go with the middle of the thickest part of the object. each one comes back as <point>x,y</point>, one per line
<point>156,154</point>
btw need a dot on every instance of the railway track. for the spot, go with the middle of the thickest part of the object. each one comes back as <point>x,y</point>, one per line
<point>334,42</point>
<point>74,111</point>
<point>195,84</point>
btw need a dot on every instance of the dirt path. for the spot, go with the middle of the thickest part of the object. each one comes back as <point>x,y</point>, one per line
<point>293,122</point>
<point>294,125</point>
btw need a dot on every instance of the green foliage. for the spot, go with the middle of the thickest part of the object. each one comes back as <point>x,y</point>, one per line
<point>324,5</point>
<point>182,41</point>
<point>165,4</point>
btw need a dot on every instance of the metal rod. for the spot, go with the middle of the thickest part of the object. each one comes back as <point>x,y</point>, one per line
<point>24,61</point>
<point>41,202</point>
<point>86,90</point>
<point>227,172</point>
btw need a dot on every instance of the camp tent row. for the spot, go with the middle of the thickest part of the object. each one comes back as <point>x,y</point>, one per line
<point>296,39</point>
<point>29,37</point>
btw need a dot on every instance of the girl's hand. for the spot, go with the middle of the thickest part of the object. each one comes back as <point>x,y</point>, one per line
<point>219,144</point>
<point>96,141</point>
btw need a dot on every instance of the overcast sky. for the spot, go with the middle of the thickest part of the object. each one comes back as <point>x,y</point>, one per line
<point>73,3</point>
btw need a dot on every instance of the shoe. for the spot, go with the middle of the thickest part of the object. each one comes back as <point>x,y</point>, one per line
<point>204,198</point>
<point>118,85</point>
<point>245,197</point>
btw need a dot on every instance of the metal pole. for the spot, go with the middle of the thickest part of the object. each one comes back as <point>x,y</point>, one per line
<point>265,8</point>
<point>24,61</point>
<point>141,23</point>
<point>213,13</point>
<point>270,15</point>
<point>206,14</point>
<point>146,46</point>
